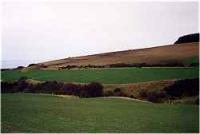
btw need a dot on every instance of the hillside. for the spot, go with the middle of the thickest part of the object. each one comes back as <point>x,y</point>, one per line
<point>42,113</point>
<point>185,53</point>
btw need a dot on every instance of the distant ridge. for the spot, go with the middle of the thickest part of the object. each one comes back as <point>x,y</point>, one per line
<point>173,55</point>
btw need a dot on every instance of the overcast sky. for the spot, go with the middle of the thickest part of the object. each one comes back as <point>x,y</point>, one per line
<point>40,31</point>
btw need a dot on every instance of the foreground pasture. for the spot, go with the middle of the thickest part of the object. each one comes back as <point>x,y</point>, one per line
<point>46,113</point>
<point>106,75</point>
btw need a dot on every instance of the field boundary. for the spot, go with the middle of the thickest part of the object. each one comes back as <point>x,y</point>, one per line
<point>125,98</point>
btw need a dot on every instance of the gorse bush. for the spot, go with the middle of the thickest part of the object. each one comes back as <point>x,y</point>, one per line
<point>93,89</point>
<point>181,88</point>
<point>108,93</point>
<point>143,93</point>
<point>156,96</point>
<point>117,92</point>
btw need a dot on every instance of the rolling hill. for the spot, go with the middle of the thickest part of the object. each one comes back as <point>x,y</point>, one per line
<point>30,113</point>
<point>185,53</point>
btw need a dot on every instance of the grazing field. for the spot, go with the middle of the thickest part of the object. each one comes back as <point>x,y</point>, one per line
<point>46,113</point>
<point>106,75</point>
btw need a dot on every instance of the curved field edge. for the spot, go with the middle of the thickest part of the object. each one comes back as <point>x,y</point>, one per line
<point>46,113</point>
<point>106,75</point>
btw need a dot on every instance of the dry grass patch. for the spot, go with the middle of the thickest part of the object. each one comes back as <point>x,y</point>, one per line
<point>135,88</point>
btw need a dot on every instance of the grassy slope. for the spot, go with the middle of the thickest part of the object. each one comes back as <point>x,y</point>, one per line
<point>45,113</point>
<point>155,55</point>
<point>107,76</point>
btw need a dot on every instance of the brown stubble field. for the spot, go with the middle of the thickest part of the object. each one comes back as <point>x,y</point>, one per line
<point>154,55</point>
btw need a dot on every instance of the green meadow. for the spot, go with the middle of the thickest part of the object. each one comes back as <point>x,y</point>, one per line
<point>46,113</point>
<point>105,75</point>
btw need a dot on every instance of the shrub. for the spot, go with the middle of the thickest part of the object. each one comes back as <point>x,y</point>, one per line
<point>108,93</point>
<point>71,89</point>
<point>153,96</point>
<point>143,93</point>
<point>187,87</point>
<point>83,92</point>
<point>117,92</point>
<point>94,89</point>
<point>132,96</point>
<point>22,84</point>
<point>29,89</point>
<point>51,87</point>
<point>8,87</point>
<point>156,96</point>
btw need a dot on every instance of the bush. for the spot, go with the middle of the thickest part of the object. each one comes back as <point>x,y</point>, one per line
<point>50,87</point>
<point>143,94</point>
<point>156,96</point>
<point>22,84</point>
<point>132,96</point>
<point>153,96</point>
<point>93,89</point>
<point>187,87</point>
<point>71,89</point>
<point>117,92</point>
<point>108,93</point>
<point>8,87</point>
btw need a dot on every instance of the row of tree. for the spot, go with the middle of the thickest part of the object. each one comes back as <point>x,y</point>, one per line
<point>93,89</point>
<point>169,64</point>
<point>181,88</point>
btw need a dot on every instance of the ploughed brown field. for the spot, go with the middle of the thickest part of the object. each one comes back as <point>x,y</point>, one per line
<point>155,55</point>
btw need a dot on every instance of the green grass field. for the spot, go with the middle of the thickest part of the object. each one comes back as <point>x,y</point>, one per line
<point>107,75</point>
<point>46,113</point>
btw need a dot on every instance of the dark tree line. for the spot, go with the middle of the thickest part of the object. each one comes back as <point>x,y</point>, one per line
<point>181,88</point>
<point>82,66</point>
<point>93,89</point>
<point>139,65</point>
